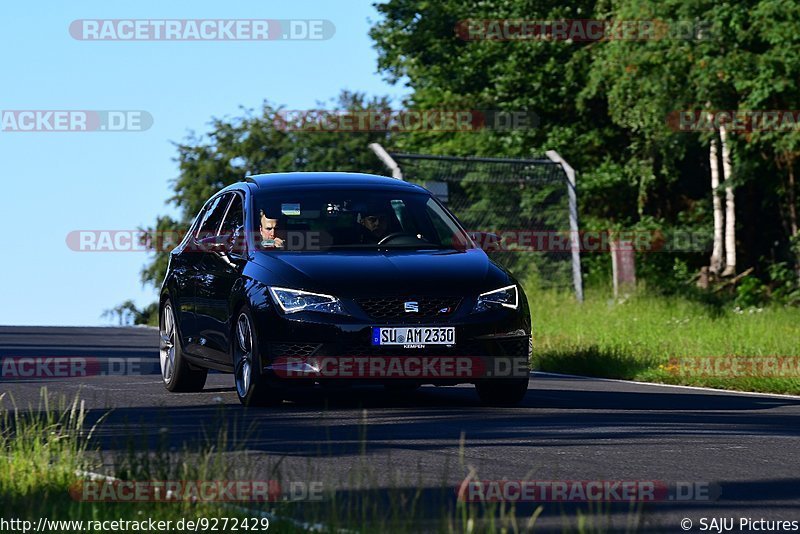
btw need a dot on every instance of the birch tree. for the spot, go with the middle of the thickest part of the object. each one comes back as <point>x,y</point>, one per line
<point>730,205</point>
<point>715,265</point>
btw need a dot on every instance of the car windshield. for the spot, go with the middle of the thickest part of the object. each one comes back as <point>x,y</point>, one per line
<point>342,219</point>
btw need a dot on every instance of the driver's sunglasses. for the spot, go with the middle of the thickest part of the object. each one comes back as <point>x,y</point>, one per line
<point>372,218</point>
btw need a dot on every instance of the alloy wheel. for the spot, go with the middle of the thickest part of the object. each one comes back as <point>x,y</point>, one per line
<point>167,344</point>
<point>244,354</point>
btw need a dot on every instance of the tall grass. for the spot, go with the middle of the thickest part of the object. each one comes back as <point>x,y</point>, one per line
<point>42,448</point>
<point>48,448</point>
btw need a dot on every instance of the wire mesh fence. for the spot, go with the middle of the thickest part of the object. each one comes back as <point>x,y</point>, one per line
<point>524,202</point>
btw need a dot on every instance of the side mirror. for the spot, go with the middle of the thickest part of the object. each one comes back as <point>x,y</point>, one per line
<point>217,244</point>
<point>235,243</point>
<point>487,241</point>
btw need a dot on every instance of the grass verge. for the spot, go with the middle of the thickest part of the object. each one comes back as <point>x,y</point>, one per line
<point>667,340</point>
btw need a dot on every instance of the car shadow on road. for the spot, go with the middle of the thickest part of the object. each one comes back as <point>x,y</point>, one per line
<point>338,421</point>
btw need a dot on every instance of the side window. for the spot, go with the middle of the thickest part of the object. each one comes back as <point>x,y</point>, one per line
<point>195,224</point>
<point>234,219</point>
<point>213,217</point>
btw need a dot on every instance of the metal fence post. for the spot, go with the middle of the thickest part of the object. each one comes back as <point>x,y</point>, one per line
<point>577,279</point>
<point>387,160</point>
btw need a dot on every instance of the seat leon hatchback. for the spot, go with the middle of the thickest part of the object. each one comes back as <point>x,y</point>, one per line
<point>303,280</point>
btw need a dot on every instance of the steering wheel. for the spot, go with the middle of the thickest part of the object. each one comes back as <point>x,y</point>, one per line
<point>395,235</point>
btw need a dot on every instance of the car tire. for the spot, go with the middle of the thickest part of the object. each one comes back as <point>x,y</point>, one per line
<point>252,386</point>
<point>502,392</point>
<point>178,376</point>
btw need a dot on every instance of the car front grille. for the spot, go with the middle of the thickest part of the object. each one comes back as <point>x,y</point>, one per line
<point>393,308</point>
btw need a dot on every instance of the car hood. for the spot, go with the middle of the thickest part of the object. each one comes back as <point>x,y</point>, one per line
<point>354,273</point>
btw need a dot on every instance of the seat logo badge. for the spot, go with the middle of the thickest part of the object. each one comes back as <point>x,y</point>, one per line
<point>411,307</point>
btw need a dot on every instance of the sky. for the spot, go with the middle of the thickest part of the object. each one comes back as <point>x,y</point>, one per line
<point>54,183</point>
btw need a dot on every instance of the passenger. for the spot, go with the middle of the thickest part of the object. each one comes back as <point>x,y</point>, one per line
<point>267,230</point>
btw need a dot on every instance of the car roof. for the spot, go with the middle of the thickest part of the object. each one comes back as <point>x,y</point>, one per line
<point>292,180</point>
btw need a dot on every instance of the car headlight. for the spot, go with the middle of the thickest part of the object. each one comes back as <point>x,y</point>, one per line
<point>294,300</point>
<point>505,297</point>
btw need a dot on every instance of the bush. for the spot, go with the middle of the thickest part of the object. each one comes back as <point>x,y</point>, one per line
<point>750,292</point>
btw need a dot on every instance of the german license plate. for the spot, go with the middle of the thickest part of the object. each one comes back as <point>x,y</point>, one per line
<point>414,335</point>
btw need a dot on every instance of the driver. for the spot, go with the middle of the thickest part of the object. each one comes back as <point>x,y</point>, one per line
<point>267,230</point>
<point>375,225</point>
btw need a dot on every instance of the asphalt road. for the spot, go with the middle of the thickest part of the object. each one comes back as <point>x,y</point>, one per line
<point>743,447</point>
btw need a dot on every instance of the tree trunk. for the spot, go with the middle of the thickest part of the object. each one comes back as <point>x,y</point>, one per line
<point>715,265</point>
<point>730,205</point>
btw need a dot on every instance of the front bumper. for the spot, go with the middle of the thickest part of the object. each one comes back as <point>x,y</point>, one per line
<point>328,348</point>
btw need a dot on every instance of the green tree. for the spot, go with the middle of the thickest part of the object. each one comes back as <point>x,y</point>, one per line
<point>771,58</point>
<point>127,313</point>
<point>745,59</point>
<point>603,105</point>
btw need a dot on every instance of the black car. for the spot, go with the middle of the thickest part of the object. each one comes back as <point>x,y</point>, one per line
<point>298,280</point>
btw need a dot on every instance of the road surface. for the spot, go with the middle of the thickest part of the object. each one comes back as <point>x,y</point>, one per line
<point>744,448</point>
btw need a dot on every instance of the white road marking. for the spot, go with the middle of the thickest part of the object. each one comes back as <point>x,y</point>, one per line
<point>657,384</point>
